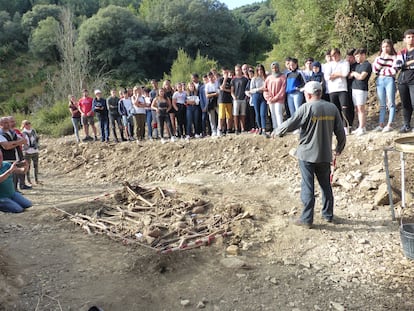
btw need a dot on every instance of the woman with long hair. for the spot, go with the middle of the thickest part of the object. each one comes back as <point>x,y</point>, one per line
<point>76,115</point>
<point>383,66</point>
<point>257,85</point>
<point>162,104</point>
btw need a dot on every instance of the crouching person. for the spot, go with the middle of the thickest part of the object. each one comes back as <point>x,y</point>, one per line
<point>11,201</point>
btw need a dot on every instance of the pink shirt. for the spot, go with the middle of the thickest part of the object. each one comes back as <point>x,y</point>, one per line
<point>276,89</point>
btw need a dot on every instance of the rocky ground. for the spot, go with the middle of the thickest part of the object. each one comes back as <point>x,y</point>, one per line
<point>49,263</point>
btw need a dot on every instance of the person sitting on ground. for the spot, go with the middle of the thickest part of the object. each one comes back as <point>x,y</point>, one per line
<point>31,150</point>
<point>11,201</point>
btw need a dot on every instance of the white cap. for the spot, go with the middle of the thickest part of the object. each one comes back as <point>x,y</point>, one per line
<point>98,92</point>
<point>312,87</point>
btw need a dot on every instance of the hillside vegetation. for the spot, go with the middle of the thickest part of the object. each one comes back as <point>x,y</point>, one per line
<point>50,49</point>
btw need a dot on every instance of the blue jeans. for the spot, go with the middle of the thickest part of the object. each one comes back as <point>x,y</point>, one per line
<point>322,171</point>
<point>76,124</point>
<point>294,101</point>
<point>104,126</point>
<point>193,117</point>
<point>386,90</point>
<point>128,122</point>
<point>148,119</point>
<point>16,204</point>
<point>260,109</point>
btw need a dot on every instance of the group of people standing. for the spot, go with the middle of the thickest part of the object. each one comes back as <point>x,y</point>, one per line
<point>252,99</point>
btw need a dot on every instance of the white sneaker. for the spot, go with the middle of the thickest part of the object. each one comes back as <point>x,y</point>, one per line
<point>346,130</point>
<point>379,128</point>
<point>387,129</point>
<point>297,131</point>
<point>219,133</point>
<point>197,136</point>
<point>187,138</point>
<point>173,139</point>
<point>163,141</point>
<point>360,131</point>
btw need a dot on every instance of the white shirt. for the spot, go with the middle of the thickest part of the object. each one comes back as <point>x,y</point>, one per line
<point>138,110</point>
<point>338,84</point>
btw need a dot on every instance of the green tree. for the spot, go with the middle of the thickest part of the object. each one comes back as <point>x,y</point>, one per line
<point>43,41</point>
<point>367,23</point>
<point>304,28</point>
<point>31,19</point>
<point>15,6</point>
<point>11,37</point>
<point>115,38</point>
<point>258,37</point>
<point>184,65</point>
<point>193,25</point>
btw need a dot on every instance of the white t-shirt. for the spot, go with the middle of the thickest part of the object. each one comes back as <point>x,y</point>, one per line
<point>180,97</point>
<point>138,110</point>
<point>338,84</point>
<point>127,104</point>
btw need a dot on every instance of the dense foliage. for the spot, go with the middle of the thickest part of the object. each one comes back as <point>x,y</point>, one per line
<point>70,44</point>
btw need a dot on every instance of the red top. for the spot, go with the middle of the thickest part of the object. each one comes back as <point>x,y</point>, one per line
<point>85,106</point>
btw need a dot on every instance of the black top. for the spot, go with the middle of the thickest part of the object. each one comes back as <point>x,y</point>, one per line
<point>362,84</point>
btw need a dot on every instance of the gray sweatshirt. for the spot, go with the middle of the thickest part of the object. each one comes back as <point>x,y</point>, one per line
<point>318,120</point>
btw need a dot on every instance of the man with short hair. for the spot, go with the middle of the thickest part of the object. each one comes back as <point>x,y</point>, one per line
<point>405,61</point>
<point>205,126</point>
<point>114,116</point>
<point>11,148</point>
<point>349,110</point>
<point>153,94</point>
<point>336,73</point>
<point>125,110</point>
<point>318,120</point>
<point>361,76</point>
<point>100,107</point>
<point>238,92</point>
<point>225,105</point>
<point>87,115</point>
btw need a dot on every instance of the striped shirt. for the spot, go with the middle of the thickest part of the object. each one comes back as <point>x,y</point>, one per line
<point>385,66</point>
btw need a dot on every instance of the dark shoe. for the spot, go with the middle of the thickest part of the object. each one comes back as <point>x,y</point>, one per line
<point>25,187</point>
<point>300,223</point>
<point>405,129</point>
<point>96,138</point>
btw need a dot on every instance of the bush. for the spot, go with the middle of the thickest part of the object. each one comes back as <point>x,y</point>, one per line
<point>54,121</point>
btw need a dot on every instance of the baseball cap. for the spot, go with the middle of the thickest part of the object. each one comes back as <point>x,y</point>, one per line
<point>312,87</point>
<point>98,92</point>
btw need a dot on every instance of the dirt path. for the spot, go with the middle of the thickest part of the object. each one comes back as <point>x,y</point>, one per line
<point>48,263</point>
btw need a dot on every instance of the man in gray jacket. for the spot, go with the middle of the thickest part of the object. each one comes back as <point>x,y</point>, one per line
<point>318,120</point>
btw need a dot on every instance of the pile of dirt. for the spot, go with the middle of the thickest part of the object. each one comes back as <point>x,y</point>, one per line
<point>354,263</point>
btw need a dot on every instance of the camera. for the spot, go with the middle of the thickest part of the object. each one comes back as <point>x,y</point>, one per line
<point>399,64</point>
<point>20,163</point>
